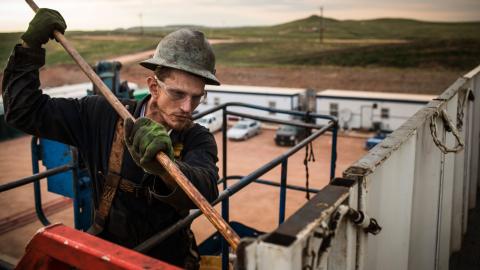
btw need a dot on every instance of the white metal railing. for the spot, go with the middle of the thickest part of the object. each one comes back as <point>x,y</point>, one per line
<point>417,190</point>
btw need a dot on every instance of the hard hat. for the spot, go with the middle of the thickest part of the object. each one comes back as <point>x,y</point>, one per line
<point>186,50</point>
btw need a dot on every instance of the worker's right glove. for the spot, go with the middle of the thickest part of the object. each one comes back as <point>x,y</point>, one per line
<point>144,139</point>
<point>41,27</point>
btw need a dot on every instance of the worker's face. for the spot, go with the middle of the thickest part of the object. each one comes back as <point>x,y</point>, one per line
<point>174,99</point>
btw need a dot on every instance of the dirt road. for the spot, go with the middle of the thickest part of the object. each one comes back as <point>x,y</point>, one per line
<point>137,57</point>
<point>396,80</point>
<point>367,79</point>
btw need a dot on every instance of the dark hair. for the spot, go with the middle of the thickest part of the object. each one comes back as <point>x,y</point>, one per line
<point>162,72</point>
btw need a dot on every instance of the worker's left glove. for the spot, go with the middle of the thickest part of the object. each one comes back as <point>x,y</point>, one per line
<point>144,139</point>
<point>41,27</point>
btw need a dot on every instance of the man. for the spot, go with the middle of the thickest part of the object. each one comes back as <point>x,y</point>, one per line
<point>144,201</point>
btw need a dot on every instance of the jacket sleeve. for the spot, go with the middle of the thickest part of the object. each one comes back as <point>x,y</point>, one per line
<point>198,164</point>
<point>33,112</point>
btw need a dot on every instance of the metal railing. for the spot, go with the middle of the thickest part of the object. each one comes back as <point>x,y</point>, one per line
<point>254,176</point>
<point>35,179</point>
<point>228,191</point>
<point>419,184</point>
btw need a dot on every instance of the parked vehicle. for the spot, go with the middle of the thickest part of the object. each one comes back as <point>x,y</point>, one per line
<point>376,139</point>
<point>289,135</point>
<point>243,130</point>
<point>211,122</point>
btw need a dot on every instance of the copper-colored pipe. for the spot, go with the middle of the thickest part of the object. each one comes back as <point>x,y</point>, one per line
<point>175,173</point>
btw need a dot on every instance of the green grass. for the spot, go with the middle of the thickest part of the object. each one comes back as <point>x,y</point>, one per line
<point>348,43</point>
<point>267,52</point>
<point>91,50</point>
<point>462,54</point>
<point>95,50</point>
<point>380,29</point>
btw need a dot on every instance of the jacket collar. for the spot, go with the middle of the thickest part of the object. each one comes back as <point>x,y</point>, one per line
<point>140,105</point>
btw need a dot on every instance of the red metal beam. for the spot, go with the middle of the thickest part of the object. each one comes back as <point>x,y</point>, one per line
<point>61,247</point>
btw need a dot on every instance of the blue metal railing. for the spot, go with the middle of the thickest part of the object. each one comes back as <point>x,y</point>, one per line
<point>255,175</point>
<point>81,209</point>
<point>228,191</point>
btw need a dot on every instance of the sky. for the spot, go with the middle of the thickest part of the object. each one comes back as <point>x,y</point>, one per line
<point>112,14</point>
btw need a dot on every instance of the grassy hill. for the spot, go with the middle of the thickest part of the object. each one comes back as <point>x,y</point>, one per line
<point>460,54</point>
<point>379,42</point>
<point>379,29</point>
<point>309,28</point>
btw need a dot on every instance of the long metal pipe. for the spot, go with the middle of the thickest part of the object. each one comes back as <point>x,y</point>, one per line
<point>270,183</point>
<point>37,192</point>
<point>333,159</point>
<point>283,192</point>
<point>276,121</point>
<point>35,177</point>
<point>289,112</point>
<point>225,202</point>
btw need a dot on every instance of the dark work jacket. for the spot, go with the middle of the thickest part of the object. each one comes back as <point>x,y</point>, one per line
<point>89,124</point>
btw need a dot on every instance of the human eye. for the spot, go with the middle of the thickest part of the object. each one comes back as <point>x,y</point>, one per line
<point>177,94</point>
<point>196,98</point>
<point>199,98</point>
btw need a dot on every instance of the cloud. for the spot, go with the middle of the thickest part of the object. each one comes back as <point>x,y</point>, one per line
<point>110,14</point>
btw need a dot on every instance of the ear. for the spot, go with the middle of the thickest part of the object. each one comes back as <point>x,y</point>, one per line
<point>152,86</point>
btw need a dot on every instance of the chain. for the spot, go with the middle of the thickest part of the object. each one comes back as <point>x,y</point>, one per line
<point>309,156</point>
<point>450,127</point>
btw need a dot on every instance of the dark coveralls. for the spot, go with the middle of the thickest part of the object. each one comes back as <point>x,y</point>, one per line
<point>89,124</point>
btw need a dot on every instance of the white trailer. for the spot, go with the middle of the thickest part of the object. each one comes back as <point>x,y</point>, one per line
<point>271,97</point>
<point>369,110</point>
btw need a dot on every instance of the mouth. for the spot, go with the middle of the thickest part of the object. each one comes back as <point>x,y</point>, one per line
<point>182,117</point>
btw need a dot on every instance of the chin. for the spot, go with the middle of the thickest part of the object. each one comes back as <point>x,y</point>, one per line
<point>181,125</point>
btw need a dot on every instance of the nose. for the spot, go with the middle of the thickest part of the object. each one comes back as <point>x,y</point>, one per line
<point>186,105</point>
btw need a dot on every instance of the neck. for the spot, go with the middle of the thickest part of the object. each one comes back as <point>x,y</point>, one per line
<point>152,111</point>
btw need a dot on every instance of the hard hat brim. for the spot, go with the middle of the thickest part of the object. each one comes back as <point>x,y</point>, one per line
<point>153,63</point>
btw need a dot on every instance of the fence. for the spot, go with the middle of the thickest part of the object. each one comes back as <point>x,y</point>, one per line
<point>418,184</point>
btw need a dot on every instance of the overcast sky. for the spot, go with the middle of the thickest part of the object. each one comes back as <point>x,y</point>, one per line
<point>111,14</point>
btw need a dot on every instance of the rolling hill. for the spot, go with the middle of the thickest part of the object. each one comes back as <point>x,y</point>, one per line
<point>389,42</point>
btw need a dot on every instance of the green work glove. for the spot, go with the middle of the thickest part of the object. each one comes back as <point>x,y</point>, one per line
<point>42,26</point>
<point>144,139</point>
